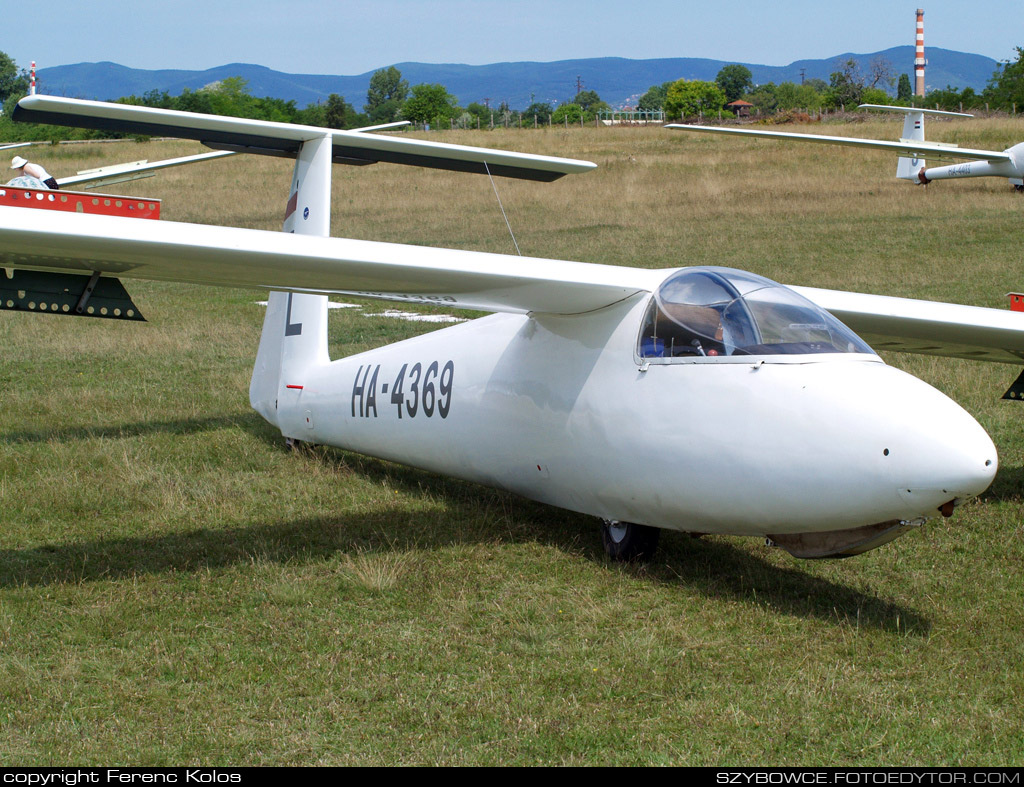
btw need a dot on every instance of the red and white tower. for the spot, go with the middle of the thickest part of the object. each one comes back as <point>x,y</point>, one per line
<point>919,55</point>
<point>32,80</point>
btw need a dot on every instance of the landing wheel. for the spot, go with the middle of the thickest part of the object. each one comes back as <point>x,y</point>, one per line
<point>1018,189</point>
<point>625,541</point>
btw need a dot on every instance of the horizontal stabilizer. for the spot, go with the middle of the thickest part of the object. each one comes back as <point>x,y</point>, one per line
<point>914,110</point>
<point>283,139</point>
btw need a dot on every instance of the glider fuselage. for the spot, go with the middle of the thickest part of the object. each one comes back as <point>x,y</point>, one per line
<point>563,411</point>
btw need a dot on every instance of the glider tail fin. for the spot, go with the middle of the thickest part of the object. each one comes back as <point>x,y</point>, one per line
<point>294,334</point>
<point>908,167</point>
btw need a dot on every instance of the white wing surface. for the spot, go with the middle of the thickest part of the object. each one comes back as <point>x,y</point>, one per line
<point>916,149</point>
<point>201,254</point>
<point>915,110</point>
<point>172,251</point>
<point>283,139</point>
<point>927,327</point>
<point>119,173</point>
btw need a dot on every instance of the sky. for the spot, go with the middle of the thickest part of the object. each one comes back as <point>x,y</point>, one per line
<point>349,37</point>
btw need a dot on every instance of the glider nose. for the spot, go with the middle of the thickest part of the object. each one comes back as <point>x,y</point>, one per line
<point>942,456</point>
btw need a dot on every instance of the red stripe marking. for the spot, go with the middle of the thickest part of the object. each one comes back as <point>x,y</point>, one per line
<point>297,387</point>
<point>293,203</point>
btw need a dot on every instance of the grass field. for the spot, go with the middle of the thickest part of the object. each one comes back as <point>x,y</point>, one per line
<point>176,588</point>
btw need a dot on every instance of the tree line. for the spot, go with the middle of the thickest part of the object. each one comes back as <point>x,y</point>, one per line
<point>847,87</point>
<point>389,97</point>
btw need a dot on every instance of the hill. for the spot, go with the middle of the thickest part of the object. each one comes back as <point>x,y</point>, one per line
<point>615,79</point>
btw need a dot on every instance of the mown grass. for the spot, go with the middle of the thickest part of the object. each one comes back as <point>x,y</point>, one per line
<point>176,588</point>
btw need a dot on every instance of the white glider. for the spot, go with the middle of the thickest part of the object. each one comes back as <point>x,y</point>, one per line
<point>706,400</point>
<point>912,148</point>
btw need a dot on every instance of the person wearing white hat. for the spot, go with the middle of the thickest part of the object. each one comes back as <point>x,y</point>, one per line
<point>26,167</point>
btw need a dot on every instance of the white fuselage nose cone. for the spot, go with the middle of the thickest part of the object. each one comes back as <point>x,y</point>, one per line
<point>912,448</point>
<point>809,447</point>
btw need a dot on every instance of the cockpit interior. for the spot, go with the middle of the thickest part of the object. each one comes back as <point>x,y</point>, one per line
<point>711,312</point>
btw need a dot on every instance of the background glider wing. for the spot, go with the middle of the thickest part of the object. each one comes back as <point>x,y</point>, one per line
<point>927,327</point>
<point>283,139</point>
<point>119,173</point>
<point>229,256</point>
<point>921,149</point>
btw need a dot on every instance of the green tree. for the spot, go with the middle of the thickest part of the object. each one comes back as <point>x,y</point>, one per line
<point>338,113</point>
<point>903,89</point>
<point>538,109</point>
<point>231,96</point>
<point>480,113</point>
<point>654,98</point>
<point>12,81</point>
<point>430,104</point>
<point>952,99</point>
<point>874,95</point>
<point>276,109</point>
<point>792,96</point>
<point>1006,87</point>
<point>765,97</point>
<point>569,113</point>
<point>688,98</point>
<point>734,80</point>
<point>590,102</point>
<point>386,94</point>
<point>194,101</point>
<point>846,86</point>
<point>160,99</point>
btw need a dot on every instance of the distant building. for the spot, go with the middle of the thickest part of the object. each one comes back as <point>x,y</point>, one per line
<point>740,108</point>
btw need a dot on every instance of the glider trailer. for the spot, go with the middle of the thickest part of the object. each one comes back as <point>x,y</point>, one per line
<point>705,400</point>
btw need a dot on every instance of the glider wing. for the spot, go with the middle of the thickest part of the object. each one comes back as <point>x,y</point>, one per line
<point>916,149</point>
<point>927,327</point>
<point>234,257</point>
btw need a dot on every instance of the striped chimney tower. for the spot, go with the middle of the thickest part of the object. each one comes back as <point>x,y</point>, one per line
<point>32,81</point>
<point>919,55</point>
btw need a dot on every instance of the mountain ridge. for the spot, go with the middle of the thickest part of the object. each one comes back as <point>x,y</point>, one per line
<point>519,83</point>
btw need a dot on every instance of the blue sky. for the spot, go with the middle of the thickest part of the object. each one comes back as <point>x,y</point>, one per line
<point>355,36</point>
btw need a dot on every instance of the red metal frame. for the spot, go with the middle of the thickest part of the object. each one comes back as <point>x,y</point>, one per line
<point>80,202</point>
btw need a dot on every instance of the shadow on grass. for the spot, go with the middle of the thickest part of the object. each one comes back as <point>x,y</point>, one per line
<point>1008,486</point>
<point>180,426</point>
<point>469,514</point>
